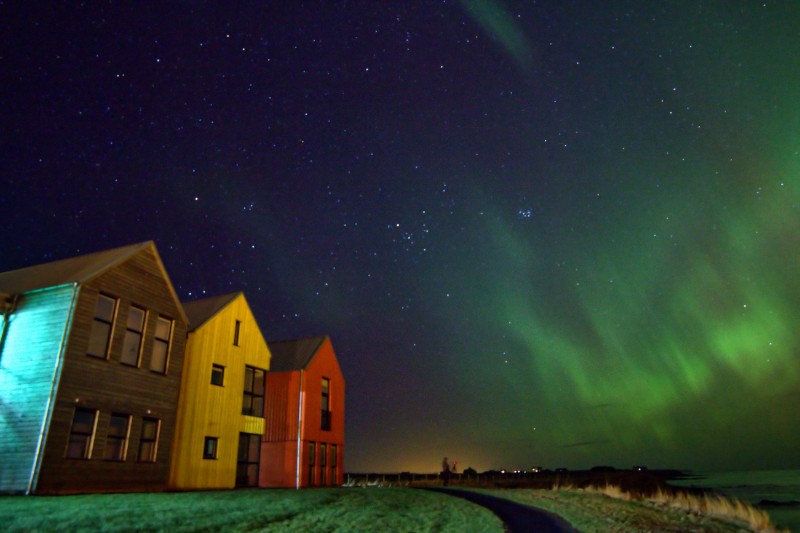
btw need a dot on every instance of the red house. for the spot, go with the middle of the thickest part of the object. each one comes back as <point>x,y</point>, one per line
<point>303,444</point>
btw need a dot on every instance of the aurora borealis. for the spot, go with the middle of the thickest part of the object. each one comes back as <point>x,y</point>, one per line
<point>537,233</point>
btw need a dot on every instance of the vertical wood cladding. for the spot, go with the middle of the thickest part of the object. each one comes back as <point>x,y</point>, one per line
<point>28,364</point>
<point>112,387</point>
<point>208,410</point>
<point>323,365</point>
<point>279,466</point>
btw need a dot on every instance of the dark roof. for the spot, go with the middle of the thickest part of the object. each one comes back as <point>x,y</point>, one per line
<point>80,269</point>
<point>293,355</point>
<point>73,270</point>
<point>199,311</point>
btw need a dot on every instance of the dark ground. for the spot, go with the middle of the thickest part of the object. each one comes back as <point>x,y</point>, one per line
<point>518,518</point>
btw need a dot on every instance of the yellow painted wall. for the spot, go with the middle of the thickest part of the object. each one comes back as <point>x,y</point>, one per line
<point>209,410</point>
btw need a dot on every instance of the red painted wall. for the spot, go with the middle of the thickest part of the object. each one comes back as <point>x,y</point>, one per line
<point>279,448</point>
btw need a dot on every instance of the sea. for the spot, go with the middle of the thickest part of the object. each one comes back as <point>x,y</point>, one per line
<point>775,491</point>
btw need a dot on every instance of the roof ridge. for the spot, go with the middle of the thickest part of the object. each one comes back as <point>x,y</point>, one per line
<point>75,269</point>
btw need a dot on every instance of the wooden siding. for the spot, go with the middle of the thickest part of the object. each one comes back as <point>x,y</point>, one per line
<point>211,410</point>
<point>28,359</point>
<point>279,463</point>
<point>324,364</point>
<point>282,395</point>
<point>111,387</point>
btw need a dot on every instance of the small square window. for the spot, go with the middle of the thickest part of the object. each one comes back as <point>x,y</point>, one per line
<point>217,375</point>
<point>210,448</point>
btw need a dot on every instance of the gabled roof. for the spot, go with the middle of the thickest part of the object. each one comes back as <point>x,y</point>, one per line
<point>200,311</point>
<point>288,356</point>
<point>73,270</point>
<point>80,269</point>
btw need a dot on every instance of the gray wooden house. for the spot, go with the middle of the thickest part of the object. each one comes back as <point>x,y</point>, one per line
<point>91,354</point>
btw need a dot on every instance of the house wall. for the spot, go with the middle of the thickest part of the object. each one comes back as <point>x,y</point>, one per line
<point>279,446</point>
<point>324,364</point>
<point>29,355</point>
<point>109,386</point>
<point>211,410</point>
<point>279,468</point>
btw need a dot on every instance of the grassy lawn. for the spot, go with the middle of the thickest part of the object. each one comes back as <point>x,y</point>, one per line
<point>249,510</point>
<point>597,513</point>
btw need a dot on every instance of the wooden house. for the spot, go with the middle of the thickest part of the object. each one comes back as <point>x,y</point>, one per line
<point>304,434</point>
<point>91,354</point>
<point>221,409</point>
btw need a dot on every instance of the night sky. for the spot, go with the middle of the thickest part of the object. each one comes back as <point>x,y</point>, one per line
<point>538,233</point>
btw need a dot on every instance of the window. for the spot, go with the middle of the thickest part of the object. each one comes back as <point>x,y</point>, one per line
<point>236,329</point>
<point>158,363</point>
<point>334,464</point>
<point>323,462</point>
<point>117,439</point>
<point>133,337</point>
<point>100,335</point>
<point>217,375</point>
<point>247,463</point>
<point>312,456</point>
<point>253,401</point>
<point>326,405</point>
<point>81,434</point>
<point>210,448</point>
<point>148,442</point>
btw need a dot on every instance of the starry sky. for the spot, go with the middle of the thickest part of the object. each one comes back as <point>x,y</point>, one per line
<point>538,233</point>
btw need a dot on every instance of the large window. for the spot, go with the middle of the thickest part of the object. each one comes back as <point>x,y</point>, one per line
<point>253,401</point>
<point>132,346</point>
<point>148,442</point>
<point>158,363</point>
<point>247,463</point>
<point>100,335</point>
<point>81,434</point>
<point>312,461</point>
<point>210,448</point>
<point>326,404</point>
<point>117,439</point>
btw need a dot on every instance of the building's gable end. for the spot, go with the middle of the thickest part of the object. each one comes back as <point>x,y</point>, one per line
<point>227,339</point>
<point>111,386</point>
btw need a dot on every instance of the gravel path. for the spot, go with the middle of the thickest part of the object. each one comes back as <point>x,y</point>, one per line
<point>518,518</point>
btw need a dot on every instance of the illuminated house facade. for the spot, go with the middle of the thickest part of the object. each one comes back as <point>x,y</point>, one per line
<point>304,434</point>
<point>221,408</point>
<point>109,384</point>
<point>91,354</point>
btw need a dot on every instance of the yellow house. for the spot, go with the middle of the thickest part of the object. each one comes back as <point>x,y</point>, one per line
<point>221,408</point>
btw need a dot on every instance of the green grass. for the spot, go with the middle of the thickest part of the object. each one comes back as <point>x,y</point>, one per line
<point>591,511</point>
<point>355,509</point>
<point>248,510</point>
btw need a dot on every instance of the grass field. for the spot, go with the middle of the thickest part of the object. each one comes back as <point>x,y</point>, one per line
<point>354,509</point>
<point>593,511</point>
<point>248,510</point>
